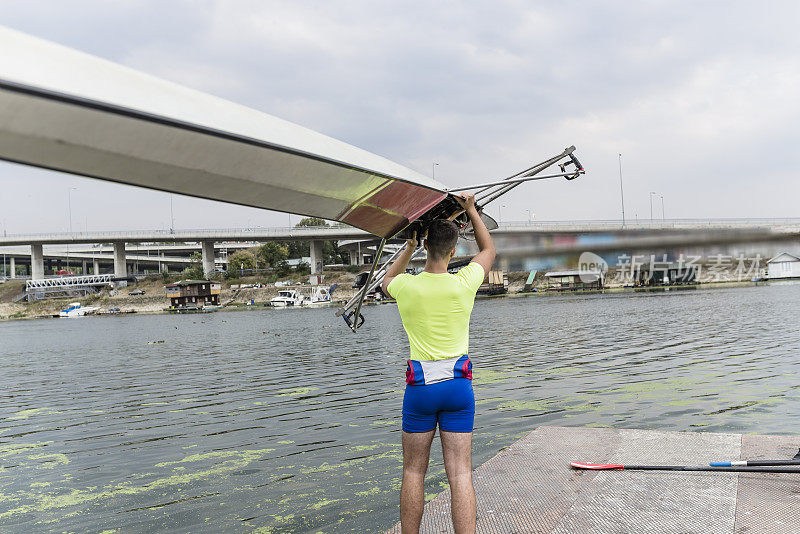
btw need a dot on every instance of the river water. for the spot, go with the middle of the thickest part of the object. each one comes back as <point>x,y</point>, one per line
<point>284,421</point>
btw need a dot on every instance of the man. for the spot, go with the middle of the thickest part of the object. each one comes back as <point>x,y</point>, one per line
<point>435,307</point>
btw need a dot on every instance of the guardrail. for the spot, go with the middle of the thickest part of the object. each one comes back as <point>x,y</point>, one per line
<point>255,230</point>
<point>341,232</point>
<point>259,231</point>
<point>616,224</point>
<point>161,236</point>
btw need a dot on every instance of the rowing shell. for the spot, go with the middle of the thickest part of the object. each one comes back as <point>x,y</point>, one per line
<point>68,111</point>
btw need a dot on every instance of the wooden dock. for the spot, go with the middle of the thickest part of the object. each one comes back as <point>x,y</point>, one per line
<point>530,486</point>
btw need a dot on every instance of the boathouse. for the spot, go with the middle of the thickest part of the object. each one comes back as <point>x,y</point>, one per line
<point>193,294</point>
<point>574,280</point>
<point>664,274</point>
<point>784,265</point>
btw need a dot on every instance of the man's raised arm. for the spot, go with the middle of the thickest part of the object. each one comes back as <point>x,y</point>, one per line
<point>400,264</point>
<point>485,258</point>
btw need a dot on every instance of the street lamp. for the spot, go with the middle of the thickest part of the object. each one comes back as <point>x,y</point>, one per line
<point>651,205</point>
<point>663,217</point>
<point>621,193</point>
<point>500,213</point>
<point>69,203</point>
<point>529,215</point>
<point>172,216</point>
<point>433,170</point>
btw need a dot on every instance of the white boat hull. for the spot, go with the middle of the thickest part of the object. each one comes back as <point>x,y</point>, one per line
<point>77,312</point>
<point>64,110</point>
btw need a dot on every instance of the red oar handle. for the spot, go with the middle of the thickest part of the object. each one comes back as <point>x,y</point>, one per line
<point>580,465</point>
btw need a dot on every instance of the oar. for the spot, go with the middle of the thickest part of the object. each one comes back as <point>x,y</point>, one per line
<point>736,469</point>
<point>793,461</point>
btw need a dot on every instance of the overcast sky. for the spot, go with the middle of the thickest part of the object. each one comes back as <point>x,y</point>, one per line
<point>701,98</point>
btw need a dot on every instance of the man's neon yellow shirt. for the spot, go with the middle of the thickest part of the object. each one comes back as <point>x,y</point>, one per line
<point>435,309</point>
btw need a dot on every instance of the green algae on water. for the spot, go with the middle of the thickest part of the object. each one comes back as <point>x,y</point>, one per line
<point>61,498</point>
<point>11,449</point>
<point>295,392</point>
<point>485,376</point>
<point>25,414</point>
<point>537,406</point>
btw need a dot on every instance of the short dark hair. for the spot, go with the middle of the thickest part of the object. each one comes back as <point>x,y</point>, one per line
<point>442,237</point>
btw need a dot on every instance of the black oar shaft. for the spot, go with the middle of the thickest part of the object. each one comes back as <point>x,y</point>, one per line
<point>733,469</point>
<point>772,462</point>
<point>795,460</point>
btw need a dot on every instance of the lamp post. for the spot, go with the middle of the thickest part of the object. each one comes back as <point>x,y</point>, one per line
<point>172,216</point>
<point>663,217</point>
<point>69,203</point>
<point>651,205</point>
<point>529,215</point>
<point>4,254</point>
<point>500,213</point>
<point>621,192</point>
<point>433,170</point>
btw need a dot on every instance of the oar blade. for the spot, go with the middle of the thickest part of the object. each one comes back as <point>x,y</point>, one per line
<point>582,465</point>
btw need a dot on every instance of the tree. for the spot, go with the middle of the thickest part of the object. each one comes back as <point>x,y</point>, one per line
<point>195,268</point>
<point>242,259</point>
<point>271,253</point>
<point>332,254</point>
<point>298,249</point>
<point>312,221</point>
<point>282,268</point>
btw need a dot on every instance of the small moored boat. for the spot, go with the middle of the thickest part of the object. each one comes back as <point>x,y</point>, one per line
<point>286,298</point>
<point>321,294</point>
<point>76,310</point>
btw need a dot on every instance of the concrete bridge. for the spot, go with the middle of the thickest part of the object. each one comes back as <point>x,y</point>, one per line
<point>92,260</point>
<point>205,241</point>
<point>514,240</point>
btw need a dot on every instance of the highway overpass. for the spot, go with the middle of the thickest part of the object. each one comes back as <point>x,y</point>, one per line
<point>205,240</point>
<point>514,240</point>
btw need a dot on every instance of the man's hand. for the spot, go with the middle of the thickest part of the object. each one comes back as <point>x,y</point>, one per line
<point>411,244</point>
<point>466,200</point>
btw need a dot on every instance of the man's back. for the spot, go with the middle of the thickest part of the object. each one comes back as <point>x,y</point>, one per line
<point>435,309</point>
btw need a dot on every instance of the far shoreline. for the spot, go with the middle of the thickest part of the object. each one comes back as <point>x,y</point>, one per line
<point>133,309</point>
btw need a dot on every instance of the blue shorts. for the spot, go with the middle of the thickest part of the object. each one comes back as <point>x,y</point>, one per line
<point>451,403</point>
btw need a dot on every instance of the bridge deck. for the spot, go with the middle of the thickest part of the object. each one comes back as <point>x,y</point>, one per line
<point>530,487</point>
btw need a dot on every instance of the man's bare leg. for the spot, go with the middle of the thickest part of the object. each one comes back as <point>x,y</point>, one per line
<point>457,450</point>
<point>416,452</point>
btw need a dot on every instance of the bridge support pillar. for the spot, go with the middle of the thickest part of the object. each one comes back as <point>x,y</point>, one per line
<point>353,257</point>
<point>120,266</point>
<point>84,270</point>
<point>208,258</point>
<point>13,265</point>
<point>37,262</point>
<point>316,257</point>
<point>96,265</point>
